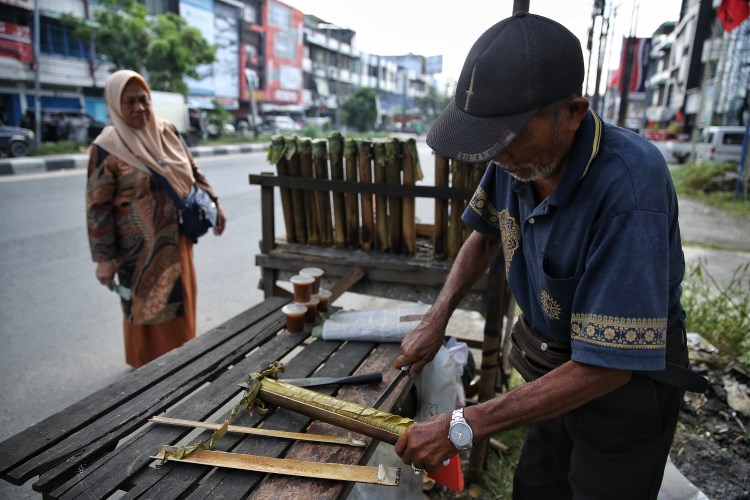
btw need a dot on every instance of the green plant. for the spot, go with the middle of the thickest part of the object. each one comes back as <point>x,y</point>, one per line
<point>719,312</point>
<point>690,179</point>
<point>217,118</point>
<point>59,147</point>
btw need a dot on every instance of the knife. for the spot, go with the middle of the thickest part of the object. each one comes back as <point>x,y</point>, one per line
<point>364,378</point>
<point>388,390</point>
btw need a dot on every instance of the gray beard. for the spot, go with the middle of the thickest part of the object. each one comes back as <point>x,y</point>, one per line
<point>536,172</point>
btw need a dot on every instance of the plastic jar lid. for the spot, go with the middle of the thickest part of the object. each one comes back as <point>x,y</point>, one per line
<point>315,272</point>
<point>302,280</point>
<point>294,309</point>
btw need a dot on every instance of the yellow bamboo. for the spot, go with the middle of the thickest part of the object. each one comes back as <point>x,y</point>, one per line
<point>336,150</point>
<point>350,199</point>
<point>365,157</point>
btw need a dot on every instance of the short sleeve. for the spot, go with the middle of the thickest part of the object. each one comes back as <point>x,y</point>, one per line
<point>619,314</point>
<point>482,214</point>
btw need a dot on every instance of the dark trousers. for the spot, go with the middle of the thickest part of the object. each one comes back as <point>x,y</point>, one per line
<point>614,447</point>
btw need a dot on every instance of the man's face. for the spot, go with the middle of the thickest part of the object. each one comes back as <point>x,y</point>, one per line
<point>536,152</point>
<point>135,105</point>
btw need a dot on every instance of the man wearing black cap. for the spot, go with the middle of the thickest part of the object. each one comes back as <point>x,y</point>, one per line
<point>586,217</point>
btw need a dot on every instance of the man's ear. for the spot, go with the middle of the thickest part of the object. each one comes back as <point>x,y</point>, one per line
<point>577,108</point>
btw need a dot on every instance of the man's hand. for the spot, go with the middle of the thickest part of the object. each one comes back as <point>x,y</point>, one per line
<point>105,272</point>
<point>420,346</point>
<point>425,445</point>
<point>221,219</point>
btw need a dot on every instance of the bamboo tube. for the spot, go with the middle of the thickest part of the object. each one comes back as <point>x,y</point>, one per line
<point>412,173</point>
<point>351,201</point>
<point>381,202</point>
<point>460,174</point>
<point>439,240</point>
<point>365,176</point>
<point>277,156</point>
<point>298,204</point>
<point>393,154</point>
<point>323,198</point>
<point>308,197</point>
<point>336,148</point>
<point>351,416</point>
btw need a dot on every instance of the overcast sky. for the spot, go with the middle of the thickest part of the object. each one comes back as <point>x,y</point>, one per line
<point>427,27</point>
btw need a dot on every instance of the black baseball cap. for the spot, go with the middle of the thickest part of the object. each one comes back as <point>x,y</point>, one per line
<point>521,64</point>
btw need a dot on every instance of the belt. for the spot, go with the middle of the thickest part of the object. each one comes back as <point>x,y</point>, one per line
<point>678,376</point>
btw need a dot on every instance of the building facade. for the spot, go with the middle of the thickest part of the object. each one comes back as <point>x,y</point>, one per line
<point>271,59</point>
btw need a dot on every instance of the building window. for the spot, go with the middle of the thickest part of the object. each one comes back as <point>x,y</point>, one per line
<point>57,39</point>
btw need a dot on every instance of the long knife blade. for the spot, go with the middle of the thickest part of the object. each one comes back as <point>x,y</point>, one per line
<point>394,383</point>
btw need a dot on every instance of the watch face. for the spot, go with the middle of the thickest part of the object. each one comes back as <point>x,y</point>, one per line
<point>460,434</point>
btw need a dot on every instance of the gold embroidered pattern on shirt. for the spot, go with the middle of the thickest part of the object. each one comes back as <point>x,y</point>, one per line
<point>509,232</point>
<point>609,331</point>
<point>549,305</point>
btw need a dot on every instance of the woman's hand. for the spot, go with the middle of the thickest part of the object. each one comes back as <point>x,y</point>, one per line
<point>221,219</point>
<point>105,272</point>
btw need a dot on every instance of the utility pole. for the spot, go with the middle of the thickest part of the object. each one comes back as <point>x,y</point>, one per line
<point>600,59</point>
<point>37,98</point>
<point>622,113</point>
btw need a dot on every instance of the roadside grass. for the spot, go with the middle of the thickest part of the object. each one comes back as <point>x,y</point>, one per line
<point>691,179</point>
<point>720,313</point>
<point>58,148</point>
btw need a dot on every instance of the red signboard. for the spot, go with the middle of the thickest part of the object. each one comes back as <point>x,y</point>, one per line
<point>15,42</point>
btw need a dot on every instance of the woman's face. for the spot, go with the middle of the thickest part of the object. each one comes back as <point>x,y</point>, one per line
<point>135,105</point>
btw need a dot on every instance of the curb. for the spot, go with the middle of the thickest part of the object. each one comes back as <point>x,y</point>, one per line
<point>42,164</point>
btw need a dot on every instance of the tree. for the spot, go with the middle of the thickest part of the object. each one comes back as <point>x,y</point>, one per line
<point>433,103</point>
<point>360,109</point>
<point>164,49</point>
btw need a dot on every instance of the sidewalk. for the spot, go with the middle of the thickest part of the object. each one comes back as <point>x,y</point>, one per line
<point>49,163</point>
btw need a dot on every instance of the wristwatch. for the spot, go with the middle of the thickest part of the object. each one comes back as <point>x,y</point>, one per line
<point>460,432</point>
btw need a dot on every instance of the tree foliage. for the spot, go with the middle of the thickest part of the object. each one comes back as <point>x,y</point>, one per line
<point>360,109</point>
<point>164,49</point>
<point>433,103</point>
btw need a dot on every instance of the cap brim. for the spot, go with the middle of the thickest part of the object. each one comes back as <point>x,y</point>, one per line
<point>473,139</point>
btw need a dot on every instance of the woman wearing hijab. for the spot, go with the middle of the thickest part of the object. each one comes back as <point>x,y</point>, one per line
<point>133,226</point>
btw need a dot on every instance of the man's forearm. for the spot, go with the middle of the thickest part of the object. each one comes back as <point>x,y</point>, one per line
<point>569,386</point>
<point>472,261</point>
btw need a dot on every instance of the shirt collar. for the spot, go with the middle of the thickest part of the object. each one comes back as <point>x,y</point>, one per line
<point>585,147</point>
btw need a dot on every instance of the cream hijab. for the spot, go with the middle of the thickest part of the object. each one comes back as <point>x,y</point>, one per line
<point>156,145</point>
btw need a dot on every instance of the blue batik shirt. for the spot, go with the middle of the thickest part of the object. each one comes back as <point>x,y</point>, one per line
<point>598,263</point>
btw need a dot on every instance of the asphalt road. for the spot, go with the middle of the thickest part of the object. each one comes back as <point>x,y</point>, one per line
<point>60,331</point>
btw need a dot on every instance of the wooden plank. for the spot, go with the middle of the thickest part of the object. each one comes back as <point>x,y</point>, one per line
<point>233,484</point>
<point>268,237</point>
<point>274,486</point>
<point>58,427</point>
<point>120,466</point>
<point>362,187</point>
<point>440,241</point>
<point>346,282</point>
<point>100,436</point>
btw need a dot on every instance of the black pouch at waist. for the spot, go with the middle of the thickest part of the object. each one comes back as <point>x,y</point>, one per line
<point>531,354</point>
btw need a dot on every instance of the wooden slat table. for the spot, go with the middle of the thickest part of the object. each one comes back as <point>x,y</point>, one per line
<point>101,444</point>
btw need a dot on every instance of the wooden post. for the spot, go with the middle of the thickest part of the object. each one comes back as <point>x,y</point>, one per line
<point>498,299</point>
<point>351,201</point>
<point>267,242</point>
<point>298,204</point>
<point>277,156</point>
<point>365,176</point>
<point>409,217</point>
<point>393,155</point>
<point>336,149</point>
<point>439,239</point>
<point>381,202</point>
<point>459,174</point>
<point>323,205</point>
<point>306,170</point>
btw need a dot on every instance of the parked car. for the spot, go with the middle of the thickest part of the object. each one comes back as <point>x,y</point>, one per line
<point>720,144</point>
<point>15,141</point>
<point>280,125</point>
<point>64,125</point>
<point>679,150</point>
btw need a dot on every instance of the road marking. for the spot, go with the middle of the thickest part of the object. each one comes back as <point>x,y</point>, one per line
<point>42,175</point>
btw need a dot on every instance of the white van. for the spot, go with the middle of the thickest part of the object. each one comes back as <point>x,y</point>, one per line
<point>720,144</point>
